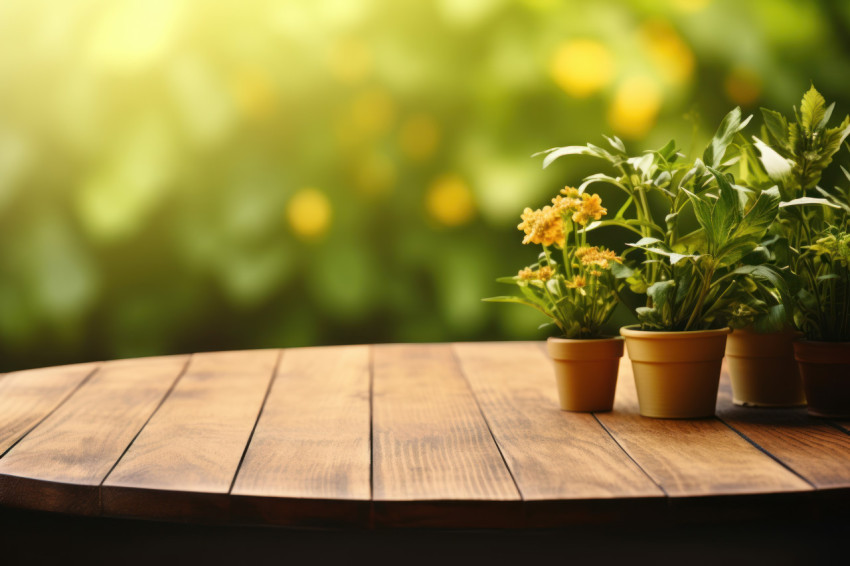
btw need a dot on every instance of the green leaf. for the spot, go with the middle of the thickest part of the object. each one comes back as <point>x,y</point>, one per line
<point>761,215</point>
<point>731,125</point>
<point>807,201</point>
<point>777,167</point>
<point>777,127</point>
<point>556,152</point>
<point>812,109</point>
<point>773,320</point>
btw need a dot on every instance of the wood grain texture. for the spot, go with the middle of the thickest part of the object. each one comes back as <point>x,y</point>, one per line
<point>552,454</point>
<point>28,396</point>
<point>692,458</point>
<point>184,461</point>
<point>61,463</point>
<point>309,460</point>
<point>814,449</point>
<point>431,444</point>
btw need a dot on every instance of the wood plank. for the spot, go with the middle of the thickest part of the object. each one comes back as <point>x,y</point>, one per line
<point>60,464</point>
<point>183,463</point>
<point>693,458</point>
<point>309,461</point>
<point>555,456</point>
<point>434,459</point>
<point>28,396</point>
<point>811,447</point>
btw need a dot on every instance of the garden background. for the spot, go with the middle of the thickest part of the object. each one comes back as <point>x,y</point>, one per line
<point>182,176</point>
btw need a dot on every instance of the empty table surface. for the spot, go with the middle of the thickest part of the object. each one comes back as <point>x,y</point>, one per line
<point>401,435</point>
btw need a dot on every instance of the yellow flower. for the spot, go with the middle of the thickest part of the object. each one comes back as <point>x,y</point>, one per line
<point>568,201</point>
<point>571,192</point>
<point>577,282</point>
<point>591,207</point>
<point>543,274</point>
<point>543,226</point>
<point>592,255</point>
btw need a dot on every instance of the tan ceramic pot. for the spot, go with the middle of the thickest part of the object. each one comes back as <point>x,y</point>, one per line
<point>676,373</point>
<point>586,372</point>
<point>763,370</point>
<point>825,367</point>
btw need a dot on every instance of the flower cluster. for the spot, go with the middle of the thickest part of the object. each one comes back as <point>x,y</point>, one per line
<point>545,226</point>
<point>576,290</point>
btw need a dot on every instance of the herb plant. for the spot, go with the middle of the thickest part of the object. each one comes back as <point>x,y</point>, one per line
<point>571,282</point>
<point>689,276</point>
<point>811,232</point>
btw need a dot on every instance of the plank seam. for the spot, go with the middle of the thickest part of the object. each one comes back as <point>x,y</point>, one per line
<point>141,428</point>
<point>54,409</point>
<point>838,426</point>
<point>466,381</point>
<point>768,454</point>
<point>629,456</point>
<point>257,420</point>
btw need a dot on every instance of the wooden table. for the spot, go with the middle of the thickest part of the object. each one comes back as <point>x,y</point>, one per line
<point>436,435</point>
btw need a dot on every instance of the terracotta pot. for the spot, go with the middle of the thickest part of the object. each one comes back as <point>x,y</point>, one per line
<point>763,370</point>
<point>676,373</point>
<point>825,367</point>
<point>586,372</point>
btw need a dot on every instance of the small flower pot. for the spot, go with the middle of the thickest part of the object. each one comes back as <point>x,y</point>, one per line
<point>825,367</point>
<point>586,372</point>
<point>763,370</point>
<point>676,373</point>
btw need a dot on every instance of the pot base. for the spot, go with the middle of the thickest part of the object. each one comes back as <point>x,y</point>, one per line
<point>586,372</point>
<point>676,373</point>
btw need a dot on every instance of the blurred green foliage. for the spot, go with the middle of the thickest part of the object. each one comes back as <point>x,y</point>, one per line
<point>191,175</point>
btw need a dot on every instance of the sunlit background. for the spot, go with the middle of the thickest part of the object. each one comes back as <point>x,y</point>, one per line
<point>197,175</point>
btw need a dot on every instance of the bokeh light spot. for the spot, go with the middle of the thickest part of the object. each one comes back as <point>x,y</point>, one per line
<point>668,51</point>
<point>255,93</point>
<point>449,201</point>
<point>635,107</point>
<point>134,34</point>
<point>582,67</point>
<point>743,86</point>
<point>309,213</point>
<point>419,136</point>
<point>350,61</point>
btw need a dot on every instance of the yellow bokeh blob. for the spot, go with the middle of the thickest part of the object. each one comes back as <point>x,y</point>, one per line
<point>255,93</point>
<point>743,86</point>
<point>419,136</point>
<point>373,112</point>
<point>449,201</point>
<point>309,213</point>
<point>350,61</point>
<point>635,107</point>
<point>582,67</point>
<point>668,51</point>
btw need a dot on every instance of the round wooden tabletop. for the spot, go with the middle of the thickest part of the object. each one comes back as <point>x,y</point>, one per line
<point>436,435</point>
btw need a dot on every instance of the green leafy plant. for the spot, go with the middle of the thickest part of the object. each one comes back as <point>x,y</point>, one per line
<point>571,282</point>
<point>689,275</point>
<point>813,221</point>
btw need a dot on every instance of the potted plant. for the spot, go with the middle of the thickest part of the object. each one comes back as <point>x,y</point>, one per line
<point>687,274</point>
<point>809,238</point>
<point>572,284</point>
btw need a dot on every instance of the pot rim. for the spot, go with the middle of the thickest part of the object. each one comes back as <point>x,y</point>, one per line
<point>602,339</point>
<point>633,331</point>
